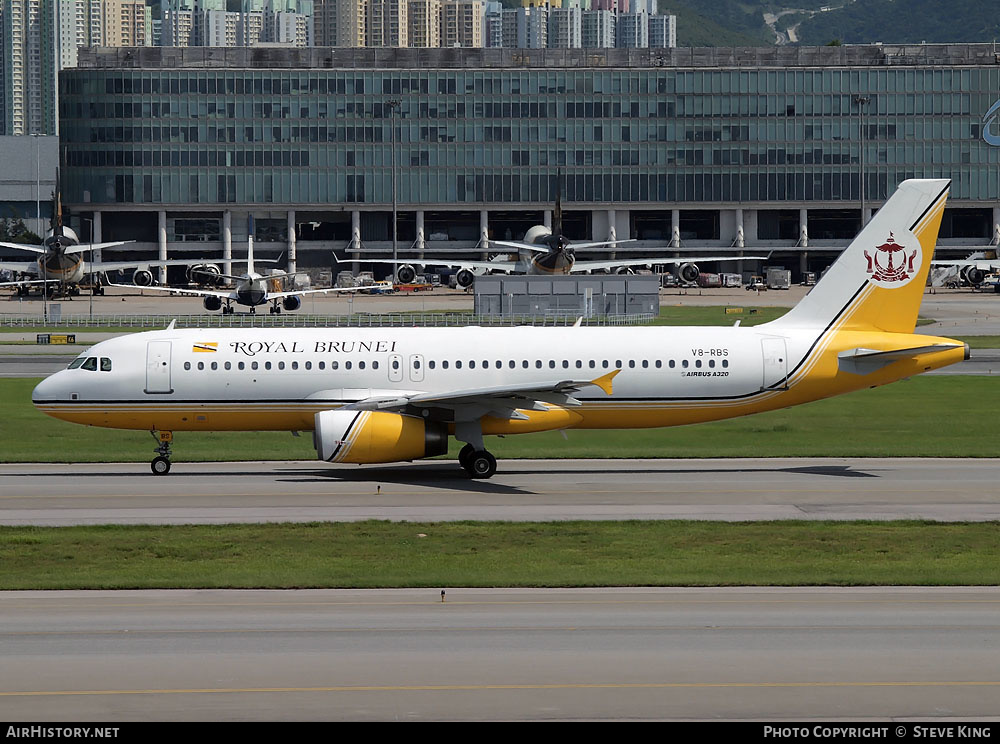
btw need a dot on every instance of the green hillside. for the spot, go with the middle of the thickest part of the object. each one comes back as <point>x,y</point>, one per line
<point>905,21</point>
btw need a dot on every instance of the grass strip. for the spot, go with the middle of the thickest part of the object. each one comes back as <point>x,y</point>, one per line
<point>930,416</point>
<point>500,554</point>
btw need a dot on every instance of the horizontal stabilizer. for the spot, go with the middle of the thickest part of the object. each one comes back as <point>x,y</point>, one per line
<point>862,361</point>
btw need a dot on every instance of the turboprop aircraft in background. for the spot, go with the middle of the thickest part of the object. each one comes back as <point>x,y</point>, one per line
<point>547,251</point>
<point>61,266</point>
<point>251,289</point>
<point>393,394</point>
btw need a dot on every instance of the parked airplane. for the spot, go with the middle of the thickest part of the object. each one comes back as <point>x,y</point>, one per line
<point>251,289</point>
<point>61,267</point>
<point>973,270</point>
<point>388,395</point>
<point>547,251</point>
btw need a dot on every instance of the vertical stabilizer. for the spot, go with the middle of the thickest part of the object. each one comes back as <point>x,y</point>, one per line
<point>250,245</point>
<point>878,282</point>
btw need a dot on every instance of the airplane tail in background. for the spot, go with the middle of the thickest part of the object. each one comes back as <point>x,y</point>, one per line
<point>250,245</point>
<point>878,282</point>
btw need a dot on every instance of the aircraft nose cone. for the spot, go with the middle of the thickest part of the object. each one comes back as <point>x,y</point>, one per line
<point>47,390</point>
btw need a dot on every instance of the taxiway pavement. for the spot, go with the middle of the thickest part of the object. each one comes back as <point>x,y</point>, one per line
<point>523,490</point>
<point>878,654</point>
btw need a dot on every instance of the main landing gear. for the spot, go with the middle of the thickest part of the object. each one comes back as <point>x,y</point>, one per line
<point>477,463</point>
<point>161,463</point>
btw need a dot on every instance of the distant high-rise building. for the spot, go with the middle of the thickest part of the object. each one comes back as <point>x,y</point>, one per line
<point>351,23</point>
<point>127,23</point>
<point>291,29</point>
<point>424,23</point>
<point>526,28</point>
<point>663,31</point>
<point>28,63</point>
<point>325,23</point>
<point>387,23</point>
<point>598,29</point>
<point>462,23</point>
<point>632,30</point>
<point>565,28</point>
<point>493,24</point>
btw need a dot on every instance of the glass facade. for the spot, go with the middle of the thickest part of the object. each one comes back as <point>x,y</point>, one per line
<point>635,137</point>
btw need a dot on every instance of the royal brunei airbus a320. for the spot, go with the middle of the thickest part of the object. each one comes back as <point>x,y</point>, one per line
<point>389,395</point>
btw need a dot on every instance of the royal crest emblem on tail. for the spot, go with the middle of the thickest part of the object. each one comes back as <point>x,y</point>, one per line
<point>891,273</point>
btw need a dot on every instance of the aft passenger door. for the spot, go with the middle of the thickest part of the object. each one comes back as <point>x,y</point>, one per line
<point>158,367</point>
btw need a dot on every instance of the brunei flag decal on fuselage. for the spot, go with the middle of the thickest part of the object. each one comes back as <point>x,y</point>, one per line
<point>211,346</point>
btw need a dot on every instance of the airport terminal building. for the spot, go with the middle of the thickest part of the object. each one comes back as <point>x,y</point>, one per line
<point>739,150</point>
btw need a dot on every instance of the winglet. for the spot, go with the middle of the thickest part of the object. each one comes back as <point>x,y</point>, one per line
<point>173,324</point>
<point>579,322</point>
<point>604,381</point>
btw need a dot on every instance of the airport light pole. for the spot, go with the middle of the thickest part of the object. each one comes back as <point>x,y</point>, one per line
<point>393,105</point>
<point>861,102</point>
<point>91,255</point>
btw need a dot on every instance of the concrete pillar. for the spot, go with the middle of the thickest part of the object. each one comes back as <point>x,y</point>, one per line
<point>484,232</point>
<point>740,241</point>
<point>803,263</point>
<point>355,245</point>
<point>995,238</point>
<point>866,216</point>
<point>95,234</point>
<point>161,220</point>
<point>612,226</point>
<point>803,227</point>
<point>292,261</point>
<point>675,228</point>
<point>547,218</point>
<point>420,232</point>
<point>227,242</point>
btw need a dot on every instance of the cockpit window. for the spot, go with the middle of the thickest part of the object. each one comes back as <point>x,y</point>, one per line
<point>76,362</point>
<point>105,364</point>
<point>90,364</point>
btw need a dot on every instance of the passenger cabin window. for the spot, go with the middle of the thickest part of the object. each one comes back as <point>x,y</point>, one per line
<point>90,364</point>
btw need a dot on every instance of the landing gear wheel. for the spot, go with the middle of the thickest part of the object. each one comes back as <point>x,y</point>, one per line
<point>465,455</point>
<point>160,465</point>
<point>482,465</point>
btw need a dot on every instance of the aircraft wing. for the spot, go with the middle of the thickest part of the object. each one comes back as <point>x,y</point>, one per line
<point>96,267</point>
<point>299,293</point>
<point>507,266</point>
<point>22,247</point>
<point>978,263</point>
<point>178,290</point>
<point>84,247</point>
<point>579,266</point>
<point>29,281</point>
<point>502,400</point>
<point>543,249</point>
<point>21,268</point>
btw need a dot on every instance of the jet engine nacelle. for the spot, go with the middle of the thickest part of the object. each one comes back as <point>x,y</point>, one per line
<point>142,277</point>
<point>212,303</point>
<point>292,302</point>
<point>687,272</point>
<point>464,278</point>
<point>405,274</point>
<point>376,436</point>
<point>205,274</point>
<point>973,275</point>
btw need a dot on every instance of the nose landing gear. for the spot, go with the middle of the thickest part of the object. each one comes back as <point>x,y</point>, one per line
<point>161,463</point>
